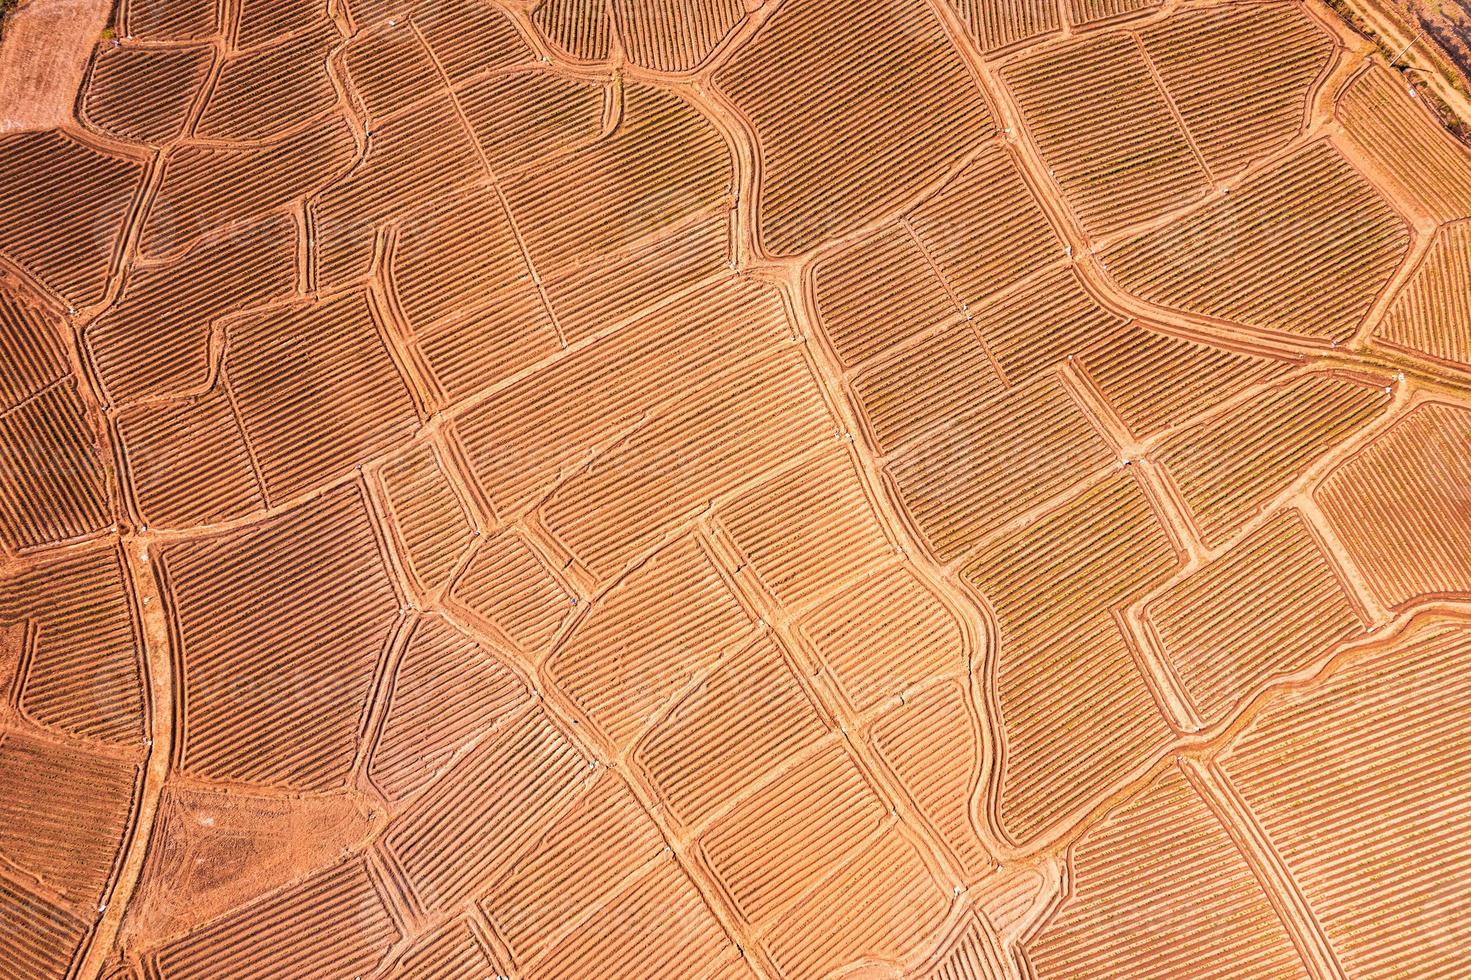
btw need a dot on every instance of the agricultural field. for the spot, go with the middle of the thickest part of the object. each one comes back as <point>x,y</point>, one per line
<point>730,490</point>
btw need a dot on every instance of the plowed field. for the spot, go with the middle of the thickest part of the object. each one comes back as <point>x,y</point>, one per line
<point>730,490</point>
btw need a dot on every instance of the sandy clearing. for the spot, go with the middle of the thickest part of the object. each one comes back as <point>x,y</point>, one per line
<point>43,57</point>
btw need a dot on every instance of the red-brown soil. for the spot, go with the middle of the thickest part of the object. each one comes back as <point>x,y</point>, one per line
<point>695,489</point>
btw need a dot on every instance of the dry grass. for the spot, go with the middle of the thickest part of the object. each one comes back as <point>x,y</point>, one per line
<point>6,8</point>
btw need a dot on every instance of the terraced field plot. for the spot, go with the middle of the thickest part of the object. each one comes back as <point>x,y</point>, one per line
<point>712,489</point>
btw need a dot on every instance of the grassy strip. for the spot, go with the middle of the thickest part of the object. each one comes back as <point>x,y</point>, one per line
<point>1458,127</point>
